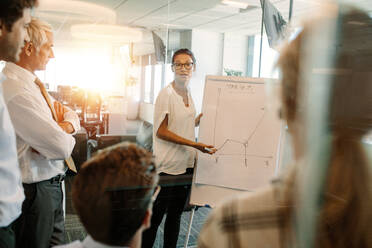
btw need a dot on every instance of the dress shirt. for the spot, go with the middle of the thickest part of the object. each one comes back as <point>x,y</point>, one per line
<point>11,190</point>
<point>88,243</point>
<point>41,143</point>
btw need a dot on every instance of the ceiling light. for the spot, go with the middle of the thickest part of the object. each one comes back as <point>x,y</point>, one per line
<point>79,8</point>
<point>236,4</point>
<point>107,33</point>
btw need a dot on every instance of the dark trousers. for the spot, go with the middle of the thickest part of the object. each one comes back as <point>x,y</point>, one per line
<point>7,238</point>
<point>171,200</point>
<point>41,224</point>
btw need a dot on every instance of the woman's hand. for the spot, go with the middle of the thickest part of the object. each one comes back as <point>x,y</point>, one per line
<point>205,148</point>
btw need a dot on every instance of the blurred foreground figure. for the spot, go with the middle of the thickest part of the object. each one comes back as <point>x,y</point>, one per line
<point>113,195</point>
<point>14,17</point>
<point>344,219</point>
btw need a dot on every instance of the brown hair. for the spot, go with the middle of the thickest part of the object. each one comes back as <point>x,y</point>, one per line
<point>345,217</point>
<point>113,191</point>
<point>12,10</point>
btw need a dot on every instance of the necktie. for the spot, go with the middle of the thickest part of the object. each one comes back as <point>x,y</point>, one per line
<point>69,161</point>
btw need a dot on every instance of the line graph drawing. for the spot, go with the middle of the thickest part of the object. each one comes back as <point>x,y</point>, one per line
<point>243,128</point>
<point>244,143</point>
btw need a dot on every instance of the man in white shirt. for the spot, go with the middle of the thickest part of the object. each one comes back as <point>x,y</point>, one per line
<point>14,17</point>
<point>113,195</point>
<point>44,131</point>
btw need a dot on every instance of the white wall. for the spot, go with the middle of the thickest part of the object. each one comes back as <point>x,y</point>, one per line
<point>235,52</point>
<point>208,50</point>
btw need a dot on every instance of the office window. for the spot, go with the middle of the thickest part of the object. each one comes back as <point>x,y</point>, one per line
<point>135,89</point>
<point>269,58</point>
<point>169,74</point>
<point>157,80</point>
<point>148,81</point>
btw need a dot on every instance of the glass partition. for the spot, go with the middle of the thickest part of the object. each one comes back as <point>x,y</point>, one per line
<point>227,39</point>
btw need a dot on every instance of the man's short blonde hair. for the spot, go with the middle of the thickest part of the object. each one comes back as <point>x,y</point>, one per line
<point>36,31</point>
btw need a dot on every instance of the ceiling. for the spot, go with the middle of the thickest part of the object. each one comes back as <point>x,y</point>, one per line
<point>176,14</point>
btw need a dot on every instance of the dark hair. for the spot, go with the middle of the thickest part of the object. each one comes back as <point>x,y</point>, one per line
<point>113,191</point>
<point>12,10</point>
<point>184,51</point>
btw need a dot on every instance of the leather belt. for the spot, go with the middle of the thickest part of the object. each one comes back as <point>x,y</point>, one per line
<point>58,179</point>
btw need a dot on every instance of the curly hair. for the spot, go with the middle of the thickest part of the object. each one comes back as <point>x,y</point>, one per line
<point>12,10</point>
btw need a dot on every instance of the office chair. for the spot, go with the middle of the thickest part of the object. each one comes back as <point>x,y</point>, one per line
<point>91,114</point>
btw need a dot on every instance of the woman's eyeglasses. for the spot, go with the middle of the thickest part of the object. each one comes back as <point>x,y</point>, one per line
<point>178,66</point>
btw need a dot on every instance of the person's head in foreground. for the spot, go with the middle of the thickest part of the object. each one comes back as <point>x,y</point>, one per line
<point>345,215</point>
<point>14,18</point>
<point>113,194</point>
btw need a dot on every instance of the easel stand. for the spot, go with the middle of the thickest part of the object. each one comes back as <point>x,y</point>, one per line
<point>190,225</point>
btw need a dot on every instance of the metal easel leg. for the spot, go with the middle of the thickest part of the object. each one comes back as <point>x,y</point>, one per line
<point>190,224</point>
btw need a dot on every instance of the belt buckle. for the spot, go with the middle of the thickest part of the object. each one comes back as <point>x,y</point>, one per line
<point>58,178</point>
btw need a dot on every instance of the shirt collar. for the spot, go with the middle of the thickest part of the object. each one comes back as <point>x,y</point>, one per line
<point>15,72</point>
<point>91,243</point>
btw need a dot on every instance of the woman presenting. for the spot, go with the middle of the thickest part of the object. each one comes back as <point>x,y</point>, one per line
<point>174,149</point>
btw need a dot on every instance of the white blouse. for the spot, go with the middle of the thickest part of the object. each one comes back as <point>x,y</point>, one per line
<point>172,158</point>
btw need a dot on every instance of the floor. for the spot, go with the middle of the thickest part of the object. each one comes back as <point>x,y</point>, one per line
<point>74,229</point>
